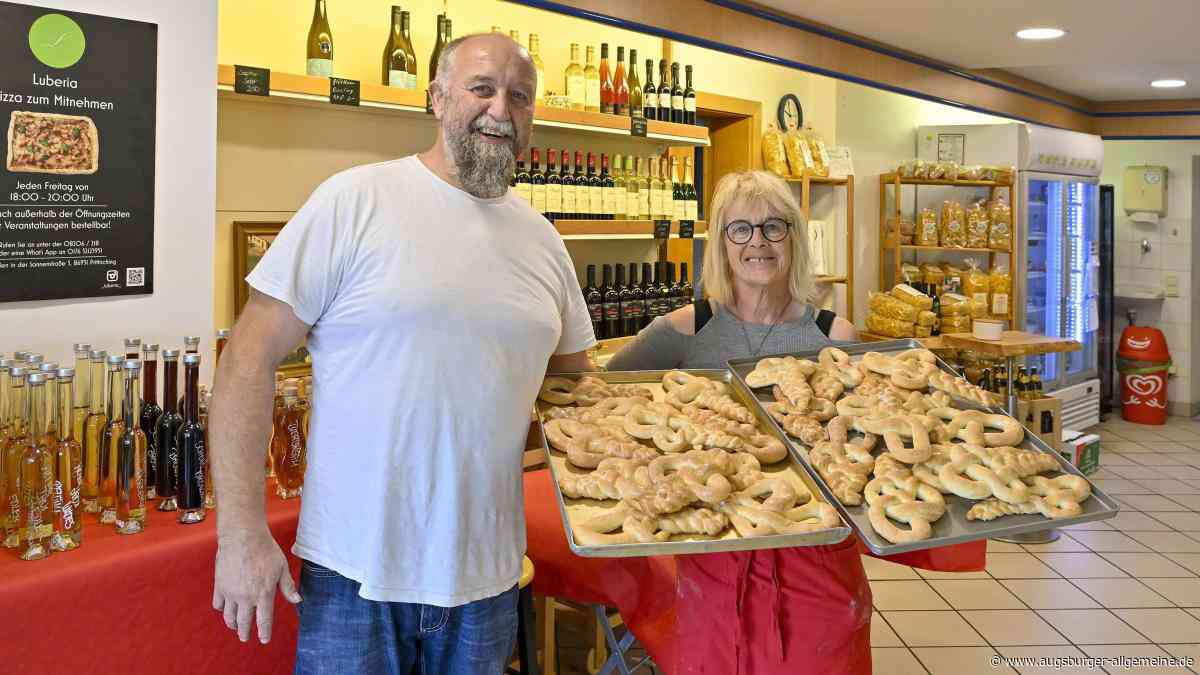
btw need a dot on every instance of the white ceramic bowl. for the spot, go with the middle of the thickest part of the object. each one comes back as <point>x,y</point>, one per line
<point>987,329</point>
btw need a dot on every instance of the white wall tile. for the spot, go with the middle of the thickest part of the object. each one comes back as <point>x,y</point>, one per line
<point>1177,230</point>
<point>1176,256</point>
<point>1179,389</point>
<point>1178,335</point>
<point>1179,310</point>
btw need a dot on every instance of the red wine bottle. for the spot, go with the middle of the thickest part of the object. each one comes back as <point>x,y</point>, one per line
<point>633,306</point>
<point>594,300</point>
<point>647,288</point>
<point>612,305</point>
<point>685,284</point>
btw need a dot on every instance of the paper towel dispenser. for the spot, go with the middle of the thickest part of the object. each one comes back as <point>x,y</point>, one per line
<point>1145,191</point>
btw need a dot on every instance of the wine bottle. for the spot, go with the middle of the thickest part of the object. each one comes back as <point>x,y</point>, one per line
<point>689,99</point>
<point>569,190</point>
<point>632,200</point>
<point>635,87</point>
<point>619,192</point>
<point>554,205</point>
<point>111,440</point>
<point>685,285</point>
<point>437,47</point>
<point>664,92</point>
<point>676,95</point>
<point>595,189</point>
<point>656,189</point>
<point>522,184</point>
<point>607,92</point>
<point>667,290</point>
<point>612,305</point>
<point>395,56</point>
<point>538,181</point>
<point>166,432</point>
<point>535,55</point>
<point>620,85</point>
<point>634,305</point>
<point>647,301</point>
<point>591,76</point>
<point>644,193</point>
<point>692,200</point>
<point>623,302</point>
<point>607,189</point>
<point>192,448</point>
<point>68,470</point>
<point>595,303</point>
<point>650,93</point>
<point>406,29</point>
<point>583,196</point>
<point>36,482</point>
<point>678,193</point>
<point>320,43</point>
<point>575,81</point>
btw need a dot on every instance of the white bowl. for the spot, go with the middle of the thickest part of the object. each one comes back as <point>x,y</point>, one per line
<point>987,329</point>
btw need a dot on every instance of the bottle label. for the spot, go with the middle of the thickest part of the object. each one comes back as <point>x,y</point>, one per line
<point>632,200</point>
<point>692,209</point>
<point>597,312</point>
<point>677,102</point>
<point>1000,303</point>
<point>822,152</point>
<point>592,100</point>
<point>610,200</point>
<point>577,90</point>
<point>680,209</point>
<point>644,203</point>
<point>612,310</point>
<point>664,99</point>
<point>596,197</point>
<point>620,206</point>
<point>398,78</point>
<point>632,309</point>
<point>568,200</point>
<point>525,191</point>
<point>539,198</point>
<point>320,67</point>
<point>655,203</point>
<point>981,298</point>
<point>689,104</point>
<point>554,198</point>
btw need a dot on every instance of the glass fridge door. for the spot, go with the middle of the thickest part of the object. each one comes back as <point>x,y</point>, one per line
<point>1081,315</point>
<point>1044,274</point>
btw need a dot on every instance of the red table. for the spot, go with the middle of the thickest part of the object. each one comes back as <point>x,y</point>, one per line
<point>136,603</point>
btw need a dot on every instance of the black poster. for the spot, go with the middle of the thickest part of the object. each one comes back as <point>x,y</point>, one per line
<point>77,98</point>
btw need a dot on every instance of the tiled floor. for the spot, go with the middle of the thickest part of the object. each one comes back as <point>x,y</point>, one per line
<point>1129,586</point>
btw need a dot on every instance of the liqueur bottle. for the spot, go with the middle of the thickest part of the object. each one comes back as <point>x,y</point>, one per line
<point>111,441</point>
<point>166,429</point>
<point>689,99</point>
<point>131,458</point>
<point>151,410</point>
<point>437,47</point>
<point>37,477</point>
<point>620,101</point>
<point>320,43</point>
<point>190,442</point>
<point>591,76</point>
<point>49,373</point>
<point>676,95</point>
<point>14,445</point>
<point>93,433</point>
<point>411,80</point>
<point>575,81</point>
<point>291,446</point>
<point>607,91</point>
<point>68,470</point>
<point>83,391</point>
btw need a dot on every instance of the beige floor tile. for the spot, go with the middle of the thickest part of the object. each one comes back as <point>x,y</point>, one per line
<point>1050,594</point>
<point>1185,651</point>
<point>905,595</point>
<point>1115,459</point>
<point>1147,565</point>
<point>883,569</point>
<point>930,574</point>
<point>1189,560</point>
<point>1136,521</point>
<point>1163,446</point>
<point>1019,566</point>
<point>1121,486</point>
<point>1163,625</point>
<point>1081,565</point>
<point>1115,542</point>
<point>1190,501</point>
<point>1136,472</point>
<point>882,634</point>
<point>1066,543</point>
<point>1170,487</point>
<point>1153,459</point>
<point>1044,651</point>
<point>1194,459</point>
<point>1123,593</point>
<point>1167,542</point>
<point>1156,503</point>
<point>1105,473</point>
<point>994,546</point>
<point>1124,447</point>
<point>933,629</point>
<point>1176,434</point>
<point>1115,651</point>
<point>1179,520</point>
<point>1015,627</point>
<point>960,661</point>
<point>976,594</point>
<point>1090,525</point>
<point>1185,473</point>
<point>1193,612</point>
<point>1091,626</point>
<point>1182,592</point>
<point>896,661</point>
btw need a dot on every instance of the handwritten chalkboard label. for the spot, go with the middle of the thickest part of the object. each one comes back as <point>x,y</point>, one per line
<point>251,80</point>
<point>687,229</point>
<point>637,126</point>
<point>662,229</point>
<point>343,92</point>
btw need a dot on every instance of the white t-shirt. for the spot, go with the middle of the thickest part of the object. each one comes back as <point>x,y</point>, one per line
<point>433,316</point>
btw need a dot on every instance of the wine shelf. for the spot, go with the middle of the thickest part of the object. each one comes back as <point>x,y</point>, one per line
<point>314,91</point>
<point>952,249</point>
<point>618,229</point>
<point>820,180</point>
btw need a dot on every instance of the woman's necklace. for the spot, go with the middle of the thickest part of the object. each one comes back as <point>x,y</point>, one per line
<point>763,342</point>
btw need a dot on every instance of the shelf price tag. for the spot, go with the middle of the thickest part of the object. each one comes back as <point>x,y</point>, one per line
<point>343,92</point>
<point>662,229</point>
<point>251,80</point>
<point>687,229</point>
<point>637,126</point>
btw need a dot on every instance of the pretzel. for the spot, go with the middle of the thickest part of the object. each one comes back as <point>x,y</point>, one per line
<point>587,390</point>
<point>844,466</point>
<point>887,463</point>
<point>1054,503</point>
<point>837,363</point>
<point>819,408</point>
<point>753,521</point>
<point>684,389</point>
<point>894,430</point>
<point>907,372</point>
<point>963,425</point>
<point>799,425</point>
<point>586,445</point>
<point>643,529</point>
<point>614,406</point>
<point>746,470</point>
<point>902,497</point>
<point>766,448</point>
<point>927,471</point>
<point>702,471</point>
<point>779,493</point>
<point>715,420</point>
<point>826,386</point>
<point>672,432</point>
<point>967,477</point>
<point>1076,487</point>
<point>957,386</point>
<point>613,478</point>
<point>769,371</point>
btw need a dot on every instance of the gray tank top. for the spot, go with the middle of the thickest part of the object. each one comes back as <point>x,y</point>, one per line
<point>660,347</point>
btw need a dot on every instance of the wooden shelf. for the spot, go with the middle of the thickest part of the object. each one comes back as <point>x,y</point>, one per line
<point>806,184</point>
<point>314,91</point>
<point>821,180</point>
<point>892,178</point>
<point>618,229</point>
<point>952,249</point>
<point>829,279</point>
<point>934,342</point>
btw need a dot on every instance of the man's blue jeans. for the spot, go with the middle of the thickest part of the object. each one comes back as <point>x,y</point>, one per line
<point>341,632</point>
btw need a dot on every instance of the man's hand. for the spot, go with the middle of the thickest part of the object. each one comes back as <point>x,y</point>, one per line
<point>249,568</point>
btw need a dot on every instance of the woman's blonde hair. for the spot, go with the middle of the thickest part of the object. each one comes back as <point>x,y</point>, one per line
<point>753,188</point>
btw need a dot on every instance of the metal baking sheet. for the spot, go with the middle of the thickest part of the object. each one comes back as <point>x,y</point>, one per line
<point>953,527</point>
<point>578,510</point>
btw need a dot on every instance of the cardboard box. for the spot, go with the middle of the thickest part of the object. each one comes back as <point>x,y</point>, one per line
<point>1042,417</point>
<point>1082,450</point>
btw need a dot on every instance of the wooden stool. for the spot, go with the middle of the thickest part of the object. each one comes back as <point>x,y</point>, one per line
<point>526,639</point>
<point>548,607</point>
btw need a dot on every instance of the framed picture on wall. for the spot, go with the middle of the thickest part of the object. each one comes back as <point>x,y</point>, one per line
<point>250,243</point>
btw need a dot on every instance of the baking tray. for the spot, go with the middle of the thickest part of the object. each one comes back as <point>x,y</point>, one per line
<point>575,510</point>
<point>953,527</point>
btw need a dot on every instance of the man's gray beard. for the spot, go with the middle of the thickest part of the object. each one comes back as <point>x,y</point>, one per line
<point>484,169</point>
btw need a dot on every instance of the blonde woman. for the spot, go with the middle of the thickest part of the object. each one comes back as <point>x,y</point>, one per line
<point>799,610</point>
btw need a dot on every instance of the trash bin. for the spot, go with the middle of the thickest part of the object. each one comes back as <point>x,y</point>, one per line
<point>1143,361</point>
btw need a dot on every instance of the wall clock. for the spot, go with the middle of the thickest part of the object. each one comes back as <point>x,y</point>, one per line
<point>790,114</point>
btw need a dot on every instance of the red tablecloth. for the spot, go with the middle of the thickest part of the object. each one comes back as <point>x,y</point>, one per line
<point>136,604</point>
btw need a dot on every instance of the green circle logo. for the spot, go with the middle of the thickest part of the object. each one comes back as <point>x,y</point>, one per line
<point>57,41</point>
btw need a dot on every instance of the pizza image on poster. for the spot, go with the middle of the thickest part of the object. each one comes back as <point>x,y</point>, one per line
<point>52,143</point>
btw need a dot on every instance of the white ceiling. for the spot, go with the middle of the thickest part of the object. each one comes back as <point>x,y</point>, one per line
<point>1112,49</point>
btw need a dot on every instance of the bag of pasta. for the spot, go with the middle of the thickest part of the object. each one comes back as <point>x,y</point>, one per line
<point>976,285</point>
<point>953,283</point>
<point>773,152</point>
<point>926,233</point>
<point>920,169</point>
<point>885,306</point>
<point>954,304</point>
<point>909,273</point>
<point>820,154</point>
<point>977,226</point>
<point>799,157</point>
<point>890,327</point>
<point>922,331</point>
<point>1000,233</point>
<point>936,171</point>
<point>953,225</point>
<point>1001,287</point>
<point>1003,174</point>
<point>933,274</point>
<point>952,171</point>
<point>970,173</point>
<point>926,318</point>
<point>905,168</point>
<point>956,324</point>
<point>899,231</point>
<point>912,296</point>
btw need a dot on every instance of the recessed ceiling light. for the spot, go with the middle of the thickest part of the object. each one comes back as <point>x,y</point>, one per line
<point>1168,84</point>
<point>1041,33</point>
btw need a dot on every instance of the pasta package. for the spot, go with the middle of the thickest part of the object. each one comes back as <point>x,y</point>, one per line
<point>977,226</point>
<point>953,228</point>
<point>956,324</point>
<point>933,274</point>
<point>926,233</point>
<point>887,307</point>
<point>976,285</point>
<point>953,283</point>
<point>774,153</point>
<point>905,169</point>
<point>926,318</point>
<point>922,331</point>
<point>952,171</point>
<point>971,173</point>
<point>1001,286</point>
<point>1000,233</point>
<point>954,304</point>
<point>900,231</point>
<point>978,308</point>
<point>910,273</point>
<point>889,327</point>
<point>912,296</point>
<point>937,170</point>
<point>799,157</point>
<point>816,147</point>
